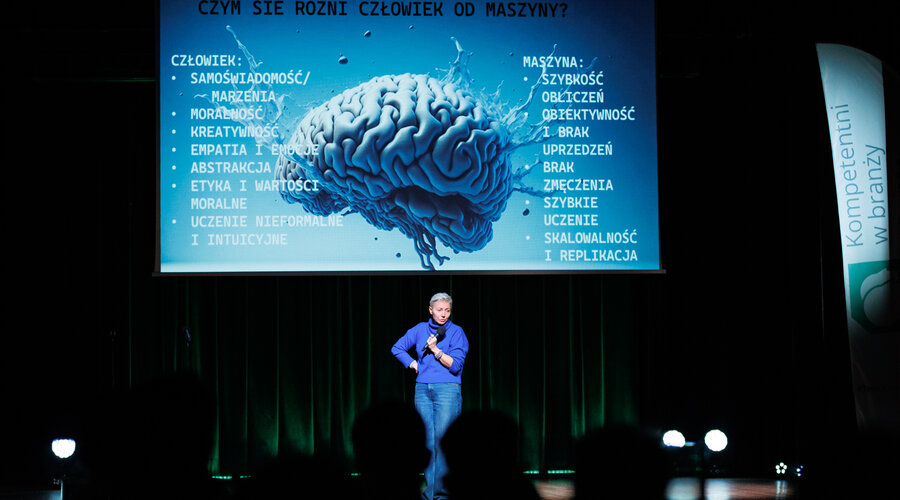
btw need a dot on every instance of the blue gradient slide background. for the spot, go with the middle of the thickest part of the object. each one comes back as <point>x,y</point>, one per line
<point>618,34</point>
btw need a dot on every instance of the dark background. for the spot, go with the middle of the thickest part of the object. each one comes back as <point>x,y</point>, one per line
<point>745,330</point>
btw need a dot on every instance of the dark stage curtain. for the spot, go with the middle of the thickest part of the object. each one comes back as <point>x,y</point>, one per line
<point>290,361</point>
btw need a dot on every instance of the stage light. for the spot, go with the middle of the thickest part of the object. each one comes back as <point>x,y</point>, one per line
<point>781,469</point>
<point>673,439</point>
<point>63,448</point>
<point>716,440</point>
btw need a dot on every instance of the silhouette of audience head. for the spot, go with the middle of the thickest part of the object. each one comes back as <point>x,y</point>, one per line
<point>482,453</point>
<point>620,462</point>
<point>160,440</point>
<point>389,449</point>
<point>861,464</point>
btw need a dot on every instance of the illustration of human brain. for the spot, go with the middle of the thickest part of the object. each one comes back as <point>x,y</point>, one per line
<point>407,151</point>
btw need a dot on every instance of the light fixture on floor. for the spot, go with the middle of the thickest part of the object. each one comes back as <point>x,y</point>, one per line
<point>716,440</point>
<point>63,448</point>
<point>673,439</point>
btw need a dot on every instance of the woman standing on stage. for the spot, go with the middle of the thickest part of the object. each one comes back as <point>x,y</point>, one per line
<point>441,348</point>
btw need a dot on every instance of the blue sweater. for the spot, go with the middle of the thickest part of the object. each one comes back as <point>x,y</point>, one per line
<point>455,344</point>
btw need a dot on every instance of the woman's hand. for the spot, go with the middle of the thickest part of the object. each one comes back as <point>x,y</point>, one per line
<point>415,366</point>
<point>431,343</point>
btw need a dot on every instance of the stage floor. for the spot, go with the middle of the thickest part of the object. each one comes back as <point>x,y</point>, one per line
<point>689,489</point>
<point>562,489</point>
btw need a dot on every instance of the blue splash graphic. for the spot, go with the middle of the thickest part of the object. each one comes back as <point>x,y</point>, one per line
<point>427,156</point>
<point>276,112</point>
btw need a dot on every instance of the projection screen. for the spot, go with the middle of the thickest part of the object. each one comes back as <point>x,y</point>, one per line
<point>362,137</point>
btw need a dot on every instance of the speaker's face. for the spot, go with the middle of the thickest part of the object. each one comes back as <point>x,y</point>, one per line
<point>440,311</point>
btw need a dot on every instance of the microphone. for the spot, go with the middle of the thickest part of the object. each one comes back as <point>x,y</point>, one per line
<point>440,333</point>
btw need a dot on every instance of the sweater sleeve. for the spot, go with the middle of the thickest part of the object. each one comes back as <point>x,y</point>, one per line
<point>404,344</point>
<point>458,351</point>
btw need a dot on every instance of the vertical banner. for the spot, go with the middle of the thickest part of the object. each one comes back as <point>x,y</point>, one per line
<point>854,99</point>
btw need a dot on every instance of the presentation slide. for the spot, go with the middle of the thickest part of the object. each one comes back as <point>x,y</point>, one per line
<point>407,136</point>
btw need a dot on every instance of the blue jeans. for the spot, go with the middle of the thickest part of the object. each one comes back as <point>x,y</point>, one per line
<point>438,404</point>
